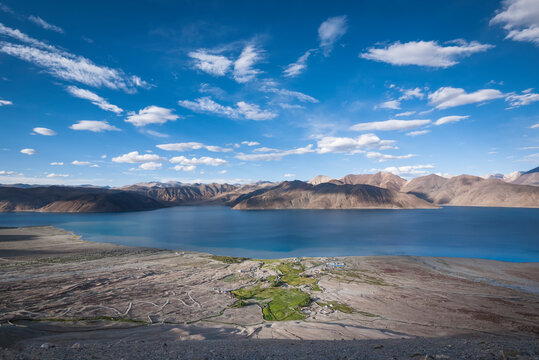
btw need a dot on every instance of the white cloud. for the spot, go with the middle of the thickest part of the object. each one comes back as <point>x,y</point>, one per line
<point>134,157</point>
<point>243,66</point>
<point>520,18</point>
<point>450,119</point>
<point>242,109</point>
<point>205,160</point>
<point>289,175</point>
<point>265,149</point>
<point>250,143</point>
<point>44,131</point>
<point>223,172</point>
<point>391,104</point>
<point>56,163</point>
<point>81,163</point>
<point>417,132</point>
<point>154,133</point>
<point>296,68</point>
<point>184,168</point>
<point>527,97</point>
<point>94,126</point>
<point>4,172</point>
<point>447,97</point>
<point>94,99</point>
<point>28,151</point>
<point>150,166</point>
<point>385,157</point>
<point>406,113</point>
<point>151,115</point>
<point>390,125</point>
<point>330,31</point>
<point>74,68</point>
<point>191,146</point>
<point>331,144</point>
<point>289,93</point>
<point>216,65</point>
<point>408,171</point>
<point>53,175</point>
<point>291,106</point>
<point>408,94</point>
<point>253,112</point>
<point>20,36</point>
<point>45,25</point>
<point>535,126</point>
<point>277,155</point>
<point>5,102</point>
<point>529,148</point>
<point>424,53</point>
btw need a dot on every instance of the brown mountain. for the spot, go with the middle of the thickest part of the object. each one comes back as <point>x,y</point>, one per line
<point>182,194</point>
<point>380,179</point>
<point>73,199</point>
<point>301,195</point>
<point>528,178</point>
<point>467,190</point>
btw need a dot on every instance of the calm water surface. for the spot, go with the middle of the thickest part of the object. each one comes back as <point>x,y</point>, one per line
<point>492,233</point>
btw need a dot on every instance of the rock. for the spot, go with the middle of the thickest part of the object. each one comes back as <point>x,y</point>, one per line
<point>47,346</point>
<point>75,346</point>
<point>441,356</point>
<point>378,346</point>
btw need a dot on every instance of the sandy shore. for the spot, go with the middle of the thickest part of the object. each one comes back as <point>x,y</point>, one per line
<point>57,290</point>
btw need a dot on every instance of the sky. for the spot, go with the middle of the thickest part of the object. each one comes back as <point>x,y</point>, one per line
<point>239,91</point>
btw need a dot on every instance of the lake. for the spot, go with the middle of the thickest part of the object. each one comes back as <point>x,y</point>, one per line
<point>508,234</point>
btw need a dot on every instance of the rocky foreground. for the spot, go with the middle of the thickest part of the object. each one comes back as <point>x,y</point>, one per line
<point>61,297</point>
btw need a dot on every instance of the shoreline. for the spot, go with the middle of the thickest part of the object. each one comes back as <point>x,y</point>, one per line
<point>56,286</point>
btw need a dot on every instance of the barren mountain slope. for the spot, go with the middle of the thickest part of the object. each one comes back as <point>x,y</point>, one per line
<point>301,195</point>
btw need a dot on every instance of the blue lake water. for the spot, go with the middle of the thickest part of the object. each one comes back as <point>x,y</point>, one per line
<point>492,233</point>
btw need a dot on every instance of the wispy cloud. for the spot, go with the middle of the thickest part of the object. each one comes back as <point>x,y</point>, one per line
<point>390,104</point>
<point>204,160</point>
<point>44,131</point>
<point>28,151</point>
<point>520,18</point>
<point>276,155</point>
<point>217,65</point>
<point>517,100</point>
<point>187,146</point>
<point>65,65</point>
<point>241,110</point>
<point>448,97</point>
<point>385,157</point>
<point>289,93</point>
<point>243,66</point>
<point>390,125</point>
<point>425,53</point>
<point>417,132</point>
<point>348,145</point>
<point>94,126</point>
<point>45,25</point>
<point>134,157</point>
<point>5,102</point>
<point>450,119</point>
<point>408,171</point>
<point>296,68</point>
<point>151,115</point>
<point>330,31</point>
<point>94,99</point>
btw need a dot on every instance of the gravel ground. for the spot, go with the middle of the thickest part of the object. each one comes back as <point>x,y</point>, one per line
<point>462,347</point>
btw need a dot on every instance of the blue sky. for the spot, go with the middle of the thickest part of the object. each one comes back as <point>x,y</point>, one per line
<point>238,91</point>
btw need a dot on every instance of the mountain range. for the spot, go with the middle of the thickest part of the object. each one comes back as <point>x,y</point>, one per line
<point>364,191</point>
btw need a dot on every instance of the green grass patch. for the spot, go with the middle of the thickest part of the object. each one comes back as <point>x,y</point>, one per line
<point>288,268</point>
<point>280,304</point>
<point>337,306</point>
<point>229,259</point>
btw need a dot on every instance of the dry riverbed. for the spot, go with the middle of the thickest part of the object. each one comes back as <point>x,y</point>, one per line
<point>61,297</point>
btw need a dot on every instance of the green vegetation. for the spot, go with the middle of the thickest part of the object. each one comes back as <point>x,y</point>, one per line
<point>229,259</point>
<point>280,304</point>
<point>337,306</point>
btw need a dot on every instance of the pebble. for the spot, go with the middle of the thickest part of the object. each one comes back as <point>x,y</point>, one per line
<point>47,346</point>
<point>75,346</point>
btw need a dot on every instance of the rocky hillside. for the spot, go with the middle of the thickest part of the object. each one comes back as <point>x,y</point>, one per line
<point>73,199</point>
<point>301,195</point>
<point>466,190</point>
<point>182,194</point>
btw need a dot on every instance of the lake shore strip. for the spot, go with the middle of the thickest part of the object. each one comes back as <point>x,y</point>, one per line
<point>63,297</point>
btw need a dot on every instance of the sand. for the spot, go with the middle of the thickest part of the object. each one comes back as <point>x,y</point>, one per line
<point>57,290</point>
